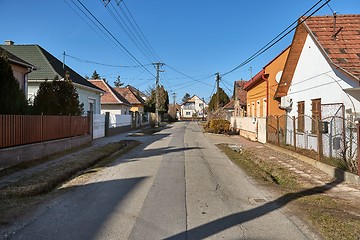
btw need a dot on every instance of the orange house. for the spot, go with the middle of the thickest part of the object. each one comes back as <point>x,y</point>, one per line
<point>261,88</point>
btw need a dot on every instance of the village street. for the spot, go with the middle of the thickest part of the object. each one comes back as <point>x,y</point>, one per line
<point>178,187</point>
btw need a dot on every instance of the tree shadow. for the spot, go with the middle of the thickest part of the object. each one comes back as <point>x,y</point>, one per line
<point>80,215</point>
<point>221,224</point>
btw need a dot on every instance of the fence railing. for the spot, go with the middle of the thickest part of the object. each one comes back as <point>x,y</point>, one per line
<point>25,129</point>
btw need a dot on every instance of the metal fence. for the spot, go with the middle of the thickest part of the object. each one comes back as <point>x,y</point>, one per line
<point>333,136</point>
<point>25,129</point>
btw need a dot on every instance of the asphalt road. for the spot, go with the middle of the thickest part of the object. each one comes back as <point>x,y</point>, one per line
<point>176,185</point>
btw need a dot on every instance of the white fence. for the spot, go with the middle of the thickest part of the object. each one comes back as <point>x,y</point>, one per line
<point>119,120</point>
<point>98,125</point>
<point>249,127</point>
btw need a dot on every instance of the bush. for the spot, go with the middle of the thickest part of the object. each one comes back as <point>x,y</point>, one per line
<point>218,126</point>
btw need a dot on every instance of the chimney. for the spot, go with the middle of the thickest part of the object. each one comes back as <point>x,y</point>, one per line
<point>9,42</point>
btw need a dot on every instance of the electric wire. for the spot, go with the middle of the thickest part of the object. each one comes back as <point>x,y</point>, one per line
<point>120,44</point>
<point>103,64</point>
<point>277,39</point>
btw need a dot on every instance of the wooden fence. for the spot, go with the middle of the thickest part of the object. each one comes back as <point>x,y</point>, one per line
<point>25,129</point>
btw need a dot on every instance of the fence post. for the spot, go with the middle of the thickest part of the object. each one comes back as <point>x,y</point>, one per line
<point>294,128</point>
<point>319,140</point>
<point>107,123</point>
<point>91,123</point>
<point>42,127</point>
<point>278,130</point>
<point>358,148</point>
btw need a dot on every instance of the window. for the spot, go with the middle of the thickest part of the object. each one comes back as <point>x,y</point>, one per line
<point>252,110</point>
<point>258,108</point>
<point>301,110</point>
<point>188,113</point>
<point>264,107</point>
<point>315,114</point>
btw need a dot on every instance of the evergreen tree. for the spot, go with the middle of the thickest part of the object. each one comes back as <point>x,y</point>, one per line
<point>95,75</point>
<point>163,100</point>
<point>186,97</point>
<point>117,82</point>
<point>12,99</point>
<point>223,100</point>
<point>57,98</point>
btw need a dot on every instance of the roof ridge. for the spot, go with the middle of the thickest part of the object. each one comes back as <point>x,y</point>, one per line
<point>40,49</point>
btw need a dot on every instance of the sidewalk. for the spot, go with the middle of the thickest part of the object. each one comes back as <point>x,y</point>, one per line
<point>96,143</point>
<point>310,175</point>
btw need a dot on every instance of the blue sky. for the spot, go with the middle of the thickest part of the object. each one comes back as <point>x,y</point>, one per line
<point>194,38</point>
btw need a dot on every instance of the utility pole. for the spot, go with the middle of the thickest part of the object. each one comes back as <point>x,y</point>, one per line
<point>174,106</point>
<point>217,90</point>
<point>64,60</point>
<point>157,65</point>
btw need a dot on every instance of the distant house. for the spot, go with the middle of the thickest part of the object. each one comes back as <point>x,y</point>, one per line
<point>229,109</point>
<point>193,107</point>
<point>239,97</point>
<point>20,68</point>
<point>111,101</point>
<point>261,88</point>
<point>137,103</point>
<point>48,68</point>
<point>322,72</point>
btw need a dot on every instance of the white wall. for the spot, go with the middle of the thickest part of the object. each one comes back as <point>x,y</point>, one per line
<point>115,109</point>
<point>315,78</point>
<point>86,97</point>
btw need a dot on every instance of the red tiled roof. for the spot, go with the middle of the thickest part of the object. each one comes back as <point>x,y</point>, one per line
<point>129,95</point>
<point>230,105</point>
<point>110,96</point>
<point>257,78</point>
<point>343,49</point>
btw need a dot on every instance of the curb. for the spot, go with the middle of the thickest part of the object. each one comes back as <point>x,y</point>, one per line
<point>334,172</point>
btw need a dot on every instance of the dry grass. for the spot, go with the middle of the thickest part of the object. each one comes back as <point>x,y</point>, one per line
<point>334,218</point>
<point>16,198</point>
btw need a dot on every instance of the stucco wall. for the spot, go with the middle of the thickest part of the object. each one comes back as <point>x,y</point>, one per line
<point>15,155</point>
<point>315,78</point>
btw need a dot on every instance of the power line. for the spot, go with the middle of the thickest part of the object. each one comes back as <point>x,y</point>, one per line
<point>104,64</point>
<point>197,80</point>
<point>277,39</point>
<point>126,29</point>
<point>126,50</point>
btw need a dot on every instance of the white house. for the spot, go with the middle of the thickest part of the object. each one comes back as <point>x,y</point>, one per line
<point>193,107</point>
<point>48,68</point>
<point>320,80</point>
<point>112,101</point>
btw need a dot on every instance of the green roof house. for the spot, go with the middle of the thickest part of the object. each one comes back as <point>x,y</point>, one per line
<point>48,68</point>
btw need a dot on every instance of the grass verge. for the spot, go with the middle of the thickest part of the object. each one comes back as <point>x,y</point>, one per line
<point>29,190</point>
<point>334,218</point>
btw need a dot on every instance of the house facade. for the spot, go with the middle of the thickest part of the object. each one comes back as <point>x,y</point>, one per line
<point>50,68</point>
<point>193,107</point>
<point>111,101</point>
<point>20,69</point>
<point>321,81</point>
<point>262,87</point>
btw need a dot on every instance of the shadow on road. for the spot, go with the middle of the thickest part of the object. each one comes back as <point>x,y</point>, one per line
<point>221,224</point>
<point>83,214</point>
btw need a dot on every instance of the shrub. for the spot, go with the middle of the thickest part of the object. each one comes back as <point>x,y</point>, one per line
<point>218,126</point>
